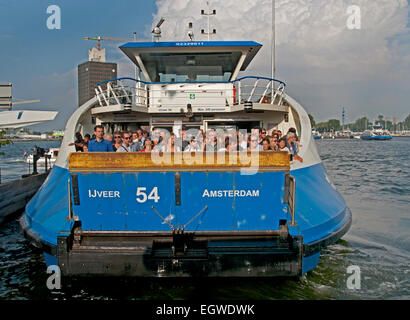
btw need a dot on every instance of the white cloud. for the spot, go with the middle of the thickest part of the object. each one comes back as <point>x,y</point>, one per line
<point>314,46</point>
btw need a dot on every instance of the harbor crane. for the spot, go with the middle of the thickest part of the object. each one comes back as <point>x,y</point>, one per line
<point>99,39</point>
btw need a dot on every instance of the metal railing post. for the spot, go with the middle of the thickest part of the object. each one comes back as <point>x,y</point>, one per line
<point>103,95</point>
<point>266,90</point>
<point>253,90</point>
<point>125,91</point>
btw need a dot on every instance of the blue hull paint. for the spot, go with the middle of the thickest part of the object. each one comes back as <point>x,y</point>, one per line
<point>376,137</point>
<point>310,262</point>
<point>125,209</point>
<point>320,210</point>
<point>46,213</point>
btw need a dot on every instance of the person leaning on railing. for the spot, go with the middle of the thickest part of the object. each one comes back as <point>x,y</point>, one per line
<point>273,141</point>
<point>292,146</point>
<point>79,142</point>
<point>147,145</point>
<point>266,145</point>
<point>169,144</point>
<point>282,145</point>
<point>117,140</point>
<point>99,144</point>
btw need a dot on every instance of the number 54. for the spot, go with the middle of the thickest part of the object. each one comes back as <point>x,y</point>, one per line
<point>142,195</point>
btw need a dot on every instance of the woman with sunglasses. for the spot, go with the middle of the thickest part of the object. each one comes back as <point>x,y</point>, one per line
<point>117,140</point>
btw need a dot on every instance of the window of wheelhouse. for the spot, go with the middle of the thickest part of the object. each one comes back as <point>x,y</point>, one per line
<point>183,67</point>
<point>111,127</point>
<point>232,125</point>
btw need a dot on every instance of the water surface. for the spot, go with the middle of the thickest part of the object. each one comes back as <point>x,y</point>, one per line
<point>372,176</point>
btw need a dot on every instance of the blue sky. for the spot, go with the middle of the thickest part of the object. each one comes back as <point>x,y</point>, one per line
<point>368,72</point>
<point>40,62</point>
<point>27,43</point>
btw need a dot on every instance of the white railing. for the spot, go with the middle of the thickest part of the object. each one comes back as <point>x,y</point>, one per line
<point>130,92</point>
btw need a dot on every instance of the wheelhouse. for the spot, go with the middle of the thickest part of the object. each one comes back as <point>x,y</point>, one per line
<point>194,84</point>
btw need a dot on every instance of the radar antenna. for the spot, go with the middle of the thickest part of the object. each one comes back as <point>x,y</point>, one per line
<point>157,31</point>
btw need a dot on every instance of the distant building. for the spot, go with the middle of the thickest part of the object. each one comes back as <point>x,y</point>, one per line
<point>5,96</point>
<point>93,71</point>
<point>58,134</point>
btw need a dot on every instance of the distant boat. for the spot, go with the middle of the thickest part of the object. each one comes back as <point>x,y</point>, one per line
<point>316,134</point>
<point>357,135</point>
<point>377,133</point>
<point>346,134</point>
<point>52,157</point>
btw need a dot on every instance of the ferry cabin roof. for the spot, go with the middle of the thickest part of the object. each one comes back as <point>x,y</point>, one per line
<point>207,61</point>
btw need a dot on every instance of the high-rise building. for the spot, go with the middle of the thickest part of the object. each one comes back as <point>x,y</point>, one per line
<point>5,96</point>
<point>93,71</point>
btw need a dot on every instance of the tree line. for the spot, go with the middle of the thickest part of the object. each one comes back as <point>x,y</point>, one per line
<point>3,142</point>
<point>360,124</point>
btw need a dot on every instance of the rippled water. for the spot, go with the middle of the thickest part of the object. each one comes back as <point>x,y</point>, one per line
<point>372,176</point>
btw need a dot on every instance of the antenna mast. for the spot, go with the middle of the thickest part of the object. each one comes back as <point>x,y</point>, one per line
<point>273,44</point>
<point>209,14</point>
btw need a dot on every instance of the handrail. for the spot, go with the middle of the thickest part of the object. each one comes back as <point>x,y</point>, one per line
<point>262,78</point>
<point>145,93</point>
<point>181,82</point>
<point>118,79</point>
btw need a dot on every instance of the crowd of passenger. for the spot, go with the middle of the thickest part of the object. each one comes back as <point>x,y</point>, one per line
<point>158,141</point>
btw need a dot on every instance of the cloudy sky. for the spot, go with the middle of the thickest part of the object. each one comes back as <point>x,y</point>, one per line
<point>326,64</point>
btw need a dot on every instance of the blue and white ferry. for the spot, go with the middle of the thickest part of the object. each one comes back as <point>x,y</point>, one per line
<point>316,134</point>
<point>203,214</point>
<point>377,133</point>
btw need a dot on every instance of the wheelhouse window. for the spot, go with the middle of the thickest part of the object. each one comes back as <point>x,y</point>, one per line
<point>182,67</point>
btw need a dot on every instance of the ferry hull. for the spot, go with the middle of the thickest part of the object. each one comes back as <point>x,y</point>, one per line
<point>287,251</point>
